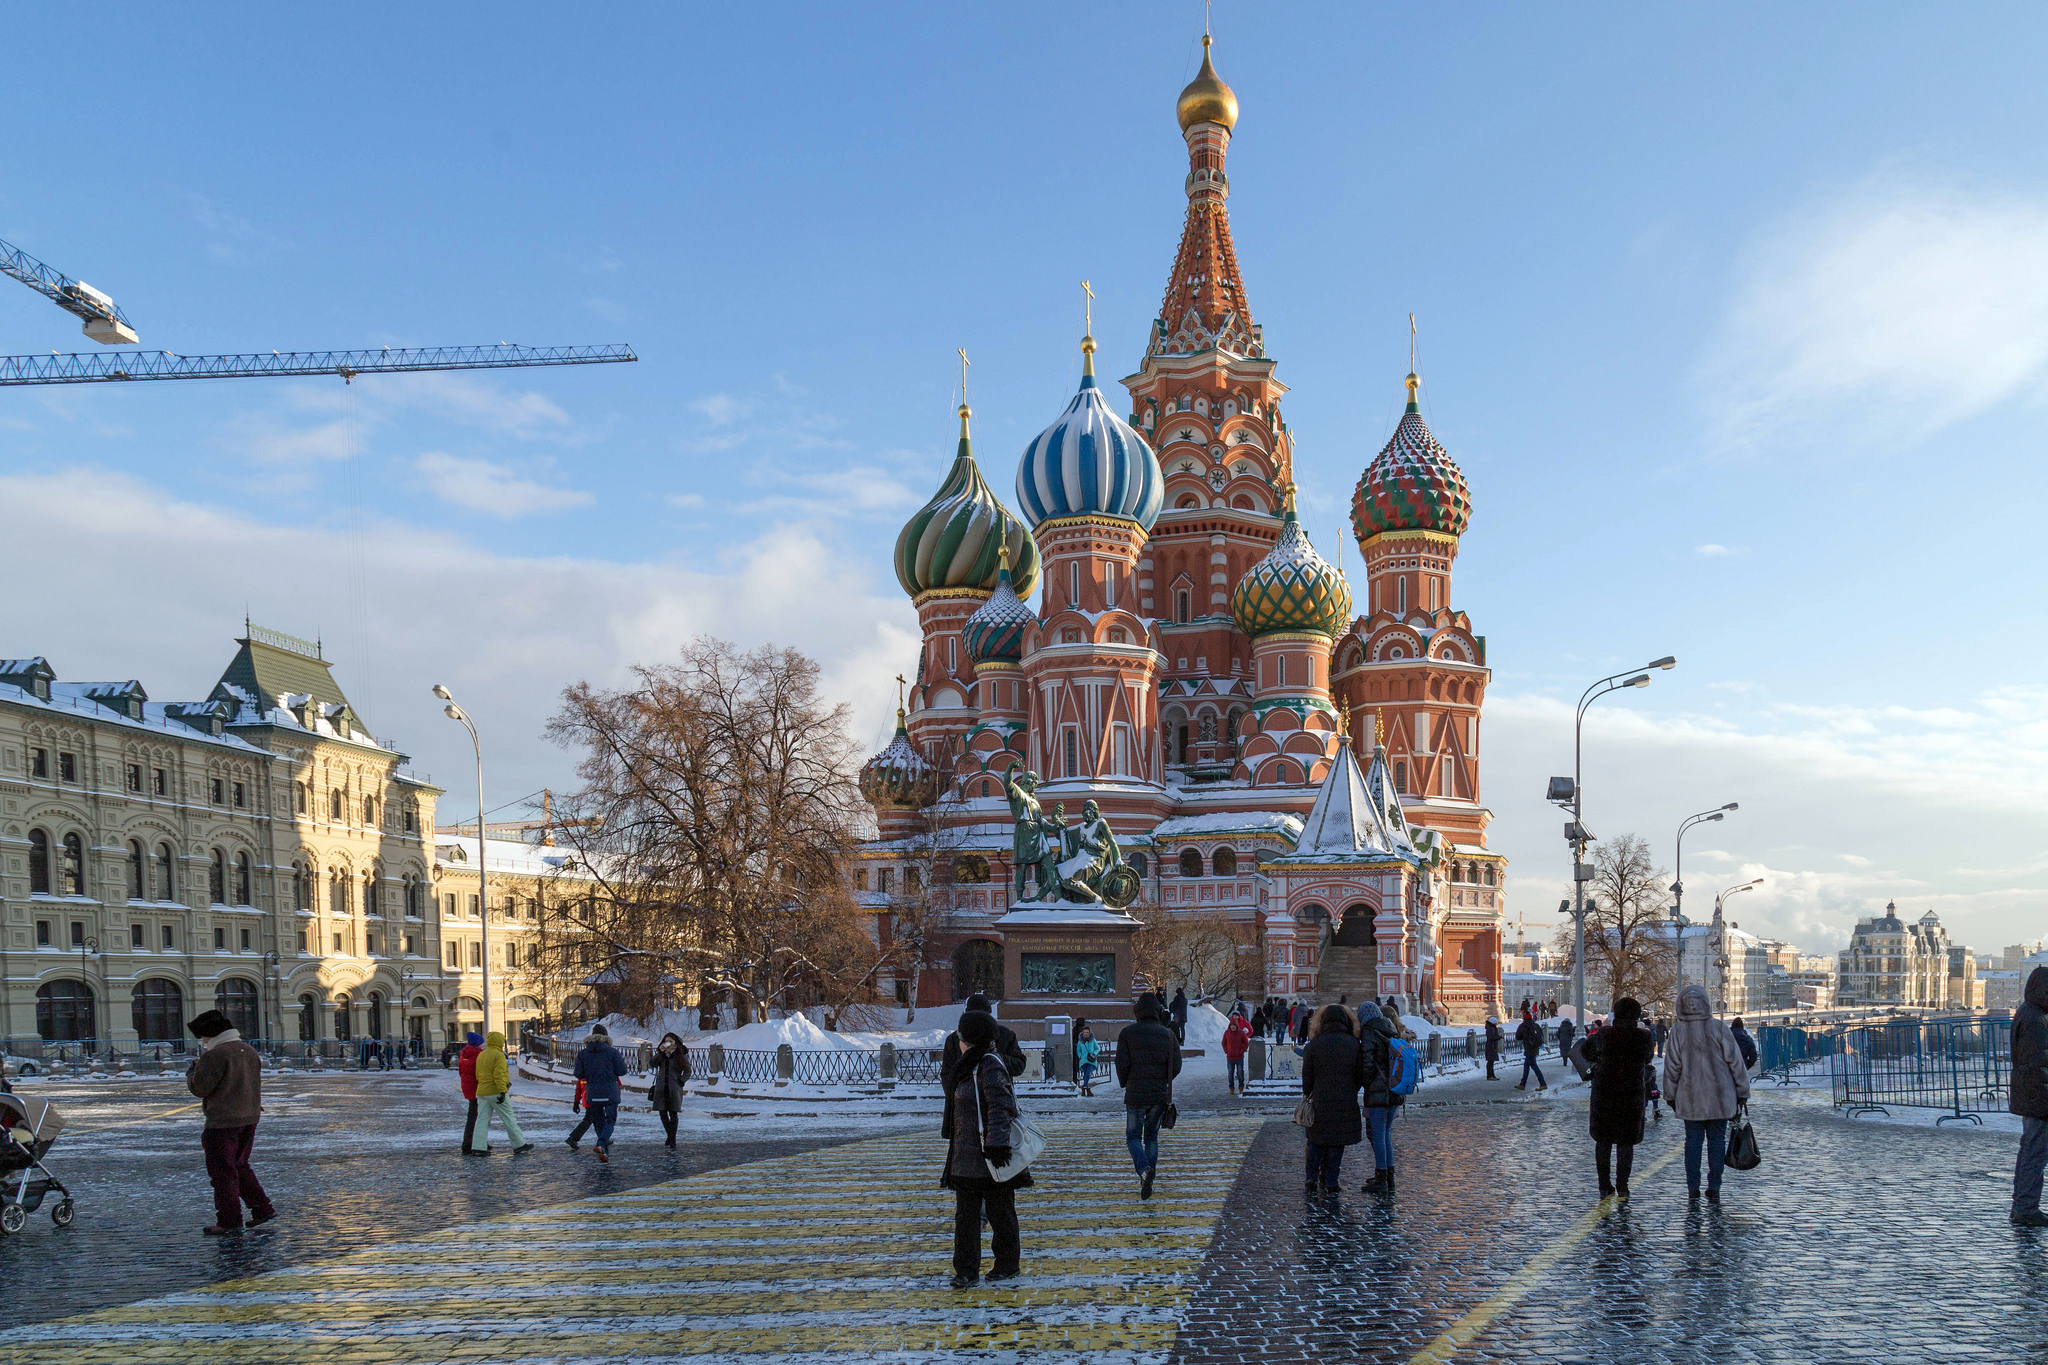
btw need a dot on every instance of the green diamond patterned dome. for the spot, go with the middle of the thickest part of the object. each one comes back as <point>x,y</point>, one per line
<point>951,542</point>
<point>1292,588</point>
<point>1414,485</point>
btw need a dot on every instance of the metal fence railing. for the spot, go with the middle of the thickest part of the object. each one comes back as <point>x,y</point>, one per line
<point>1784,1053</point>
<point>1961,1065</point>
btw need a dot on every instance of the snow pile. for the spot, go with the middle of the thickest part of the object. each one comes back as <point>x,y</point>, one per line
<point>801,1031</point>
<point>1205,1027</point>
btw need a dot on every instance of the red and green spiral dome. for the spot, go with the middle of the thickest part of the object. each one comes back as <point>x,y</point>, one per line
<point>1413,485</point>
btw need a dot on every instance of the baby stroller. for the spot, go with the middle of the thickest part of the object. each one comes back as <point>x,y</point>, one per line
<point>28,1129</point>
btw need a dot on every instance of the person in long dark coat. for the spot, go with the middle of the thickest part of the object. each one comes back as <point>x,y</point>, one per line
<point>1619,1057</point>
<point>1376,1033</point>
<point>665,1083</point>
<point>984,1108</point>
<point>1005,1046</point>
<point>1493,1037</point>
<point>1332,1073</point>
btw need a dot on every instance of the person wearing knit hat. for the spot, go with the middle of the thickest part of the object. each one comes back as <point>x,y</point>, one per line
<point>228,1079</point>
<point>600,1067</point>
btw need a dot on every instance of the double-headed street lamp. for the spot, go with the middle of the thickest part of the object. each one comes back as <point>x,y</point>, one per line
<point>483,890</point>
<point>1568,791</point>
<point>1678,881</point>
<point>1719,946</point>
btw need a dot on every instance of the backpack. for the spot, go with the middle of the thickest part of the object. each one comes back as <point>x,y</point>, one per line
<point>1406,1066</point>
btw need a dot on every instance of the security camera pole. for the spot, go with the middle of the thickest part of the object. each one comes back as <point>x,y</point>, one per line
<point>1565,790</point>
<point>483,890</point>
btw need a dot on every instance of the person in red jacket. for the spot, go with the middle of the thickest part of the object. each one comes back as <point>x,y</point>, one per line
<point>1236,1040</point>
<point>466,1064</point>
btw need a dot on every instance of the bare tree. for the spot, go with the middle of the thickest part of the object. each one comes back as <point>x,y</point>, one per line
<point>1629,942</point>
<point>933,865</point>
<point>1203,953</point>
<point>717,812</point>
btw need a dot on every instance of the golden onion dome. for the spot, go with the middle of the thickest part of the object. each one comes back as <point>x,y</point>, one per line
<point>1207,99</point>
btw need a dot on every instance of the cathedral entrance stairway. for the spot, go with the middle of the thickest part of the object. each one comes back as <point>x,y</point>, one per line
<point>1349,971</point>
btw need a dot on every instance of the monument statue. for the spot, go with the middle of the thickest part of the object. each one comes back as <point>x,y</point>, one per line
<point>1081,866</point>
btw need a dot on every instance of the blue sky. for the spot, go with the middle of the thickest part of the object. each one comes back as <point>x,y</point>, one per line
<point>1737,320</point>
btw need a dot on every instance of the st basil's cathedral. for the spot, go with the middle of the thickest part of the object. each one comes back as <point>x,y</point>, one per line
<point>1267,749</point>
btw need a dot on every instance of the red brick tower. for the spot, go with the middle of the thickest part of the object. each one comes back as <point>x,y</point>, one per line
<point>1206,397</point>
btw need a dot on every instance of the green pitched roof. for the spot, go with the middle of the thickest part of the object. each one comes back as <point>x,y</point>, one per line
<point>267,671</point>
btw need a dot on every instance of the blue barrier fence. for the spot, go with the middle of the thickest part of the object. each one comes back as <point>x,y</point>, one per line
<point>1961,1065</point>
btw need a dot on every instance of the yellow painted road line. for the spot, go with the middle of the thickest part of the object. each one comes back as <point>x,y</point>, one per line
<point>146,1118</point>
<point>1462,1332</point>
<point>794,1257</point>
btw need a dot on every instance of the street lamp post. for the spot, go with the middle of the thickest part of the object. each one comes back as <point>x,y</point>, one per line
<point>483,890</point>
<point>1575,833</point>
<point>1718,947</point>
<point>1678,882</point>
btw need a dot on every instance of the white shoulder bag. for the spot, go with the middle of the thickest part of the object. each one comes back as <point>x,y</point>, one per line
<point>1027,1140</point>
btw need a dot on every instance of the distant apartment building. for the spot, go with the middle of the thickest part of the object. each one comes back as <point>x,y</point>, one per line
<point>1892,962</point>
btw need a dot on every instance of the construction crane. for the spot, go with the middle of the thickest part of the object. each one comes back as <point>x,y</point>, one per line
<point>104,320</point>
<point>101,367</point>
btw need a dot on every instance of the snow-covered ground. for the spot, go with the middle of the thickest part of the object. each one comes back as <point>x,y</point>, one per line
<point>802,1031</point>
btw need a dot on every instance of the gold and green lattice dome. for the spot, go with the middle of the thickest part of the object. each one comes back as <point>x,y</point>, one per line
<point>1292,588</point>
<point>951,542</point>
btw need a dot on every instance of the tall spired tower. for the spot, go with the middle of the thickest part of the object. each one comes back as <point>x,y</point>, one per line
<point>1207,399</point>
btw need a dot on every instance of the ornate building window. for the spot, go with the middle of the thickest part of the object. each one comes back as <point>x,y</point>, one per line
<point>138,871</point>
<point>243,880</point>
<point>1190,862</point>
<point>167,874</point>
<point>158,1010</point>
<point>38,863</point>
<point>71,866</point>
<point>217,878</point>
<point>1224,860</point>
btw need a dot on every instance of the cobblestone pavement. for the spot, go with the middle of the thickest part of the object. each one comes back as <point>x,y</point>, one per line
<point>351,1159</point>
<point>1853,1242</point>
<point>835,1253</point>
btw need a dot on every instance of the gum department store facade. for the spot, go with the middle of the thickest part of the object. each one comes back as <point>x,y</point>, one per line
<point>259,852</point>
<point>1192,664</point>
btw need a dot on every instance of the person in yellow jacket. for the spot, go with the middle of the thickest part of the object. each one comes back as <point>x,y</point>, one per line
<point>494,1095</point>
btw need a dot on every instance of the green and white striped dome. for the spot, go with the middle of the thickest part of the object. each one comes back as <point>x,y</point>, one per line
<point>1292,588</point>
<point>951,542</point>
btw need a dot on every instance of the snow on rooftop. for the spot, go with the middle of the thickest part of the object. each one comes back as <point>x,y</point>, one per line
<point>510,856</point>
<point>1229,822</point>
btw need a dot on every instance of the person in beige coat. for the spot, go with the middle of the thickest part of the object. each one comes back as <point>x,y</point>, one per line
<point>1706,1083</point>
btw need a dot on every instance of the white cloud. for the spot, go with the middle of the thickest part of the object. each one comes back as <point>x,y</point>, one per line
<point>507,631</point>
<point>1717,551</point>
<point>686,500</point>
<point>1896,309</point>
<point>860,491</point>
<point>493,488</point>
<point>1843,808</point>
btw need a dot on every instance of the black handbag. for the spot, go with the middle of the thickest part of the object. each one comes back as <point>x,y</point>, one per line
<point>1171,1116</point>
<point>1742,1152</point>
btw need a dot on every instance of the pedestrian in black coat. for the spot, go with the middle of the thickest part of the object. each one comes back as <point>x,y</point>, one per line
<point>2029,1099</point>
<point>1493,1039</point>
<point>665,1082</point>
<point>1147,1060</point>
<point>1565,1029</point>
<point>1619,1056</point>
<point>1178,1013</point>
<point>1005,1047</point>
<point>1529,1034</point>
<point>1332,1074</point>
<point>985,1103</point>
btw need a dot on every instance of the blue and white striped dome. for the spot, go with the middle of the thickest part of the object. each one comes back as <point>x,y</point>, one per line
<point>1090,462</point>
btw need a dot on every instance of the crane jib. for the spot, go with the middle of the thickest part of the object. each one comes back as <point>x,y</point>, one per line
<point>133,365</point>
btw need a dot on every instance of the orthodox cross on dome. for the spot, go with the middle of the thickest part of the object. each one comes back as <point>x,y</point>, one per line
<point>901,683</point>
<point>1087,329</point>
<point>964,363</point>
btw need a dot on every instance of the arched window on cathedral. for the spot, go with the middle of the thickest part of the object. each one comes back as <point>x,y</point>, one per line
<point>1180,606</point>
<point>1401,778</point>
<point>1224,860</point>
<point>1190,862</point>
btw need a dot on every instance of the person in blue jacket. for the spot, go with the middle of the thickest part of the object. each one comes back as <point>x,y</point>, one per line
<point>600,1067</point>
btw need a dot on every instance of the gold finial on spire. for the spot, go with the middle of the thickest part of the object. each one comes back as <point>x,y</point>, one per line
<point>1414,381</point>
<point>1344,723</point>
<point>965,411</point>
<point>1379,731</point>
<point>1088,329</point>
<point>1207,99</point>
<point>1003,553</point>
